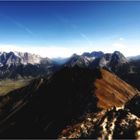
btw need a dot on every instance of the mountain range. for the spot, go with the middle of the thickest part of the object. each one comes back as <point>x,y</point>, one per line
<point>18,58</point>
<point>13,64</point>
<point>16,65</point>
<point>93,95</point>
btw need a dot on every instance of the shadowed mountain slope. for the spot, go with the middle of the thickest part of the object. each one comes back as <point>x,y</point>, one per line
<point>44,107</point>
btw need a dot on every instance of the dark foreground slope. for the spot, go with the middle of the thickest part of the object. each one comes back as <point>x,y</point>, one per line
<point>44,107</point>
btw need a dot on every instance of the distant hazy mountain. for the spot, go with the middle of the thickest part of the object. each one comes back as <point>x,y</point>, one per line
<point>23,65</point>
<point>17,58</point>
<point>134,58</point>
<point>110,61</point>
<point>93,54</point>
<point>83,60</point>
<point>78,60</point>
<point>94,58</point>
<point>60,60</point>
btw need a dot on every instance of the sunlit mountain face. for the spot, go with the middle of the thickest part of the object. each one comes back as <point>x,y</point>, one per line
<point>69,70</point>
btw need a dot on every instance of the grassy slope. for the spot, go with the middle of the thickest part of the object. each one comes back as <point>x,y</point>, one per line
<point>9,85</point>
<point>112,91</point>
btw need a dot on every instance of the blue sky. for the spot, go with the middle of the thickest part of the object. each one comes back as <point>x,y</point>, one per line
<point>61,28</point>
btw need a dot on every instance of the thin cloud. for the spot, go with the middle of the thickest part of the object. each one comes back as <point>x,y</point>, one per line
<point>86,38</point>
<point>29,31</point>
<point>19,25</point>
<point>75,27</point>
<point>23,27</point>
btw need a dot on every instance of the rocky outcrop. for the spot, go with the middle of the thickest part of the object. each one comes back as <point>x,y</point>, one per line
<point>115,123</point>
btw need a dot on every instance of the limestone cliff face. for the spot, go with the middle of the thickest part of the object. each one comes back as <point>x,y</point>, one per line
<point>17,58</point>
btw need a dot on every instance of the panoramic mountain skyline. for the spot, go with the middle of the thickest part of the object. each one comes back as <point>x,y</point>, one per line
<point>60,28</point>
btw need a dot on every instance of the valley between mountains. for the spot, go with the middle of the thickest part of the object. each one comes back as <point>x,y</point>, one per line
<point>93,95</point>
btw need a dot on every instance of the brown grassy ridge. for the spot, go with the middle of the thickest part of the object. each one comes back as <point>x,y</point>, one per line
<point>112,91</point>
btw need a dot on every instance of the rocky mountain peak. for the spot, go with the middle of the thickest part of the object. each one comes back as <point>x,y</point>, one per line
<point>118,57</point>
<point>16,58</point>
<point>94,54</point>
